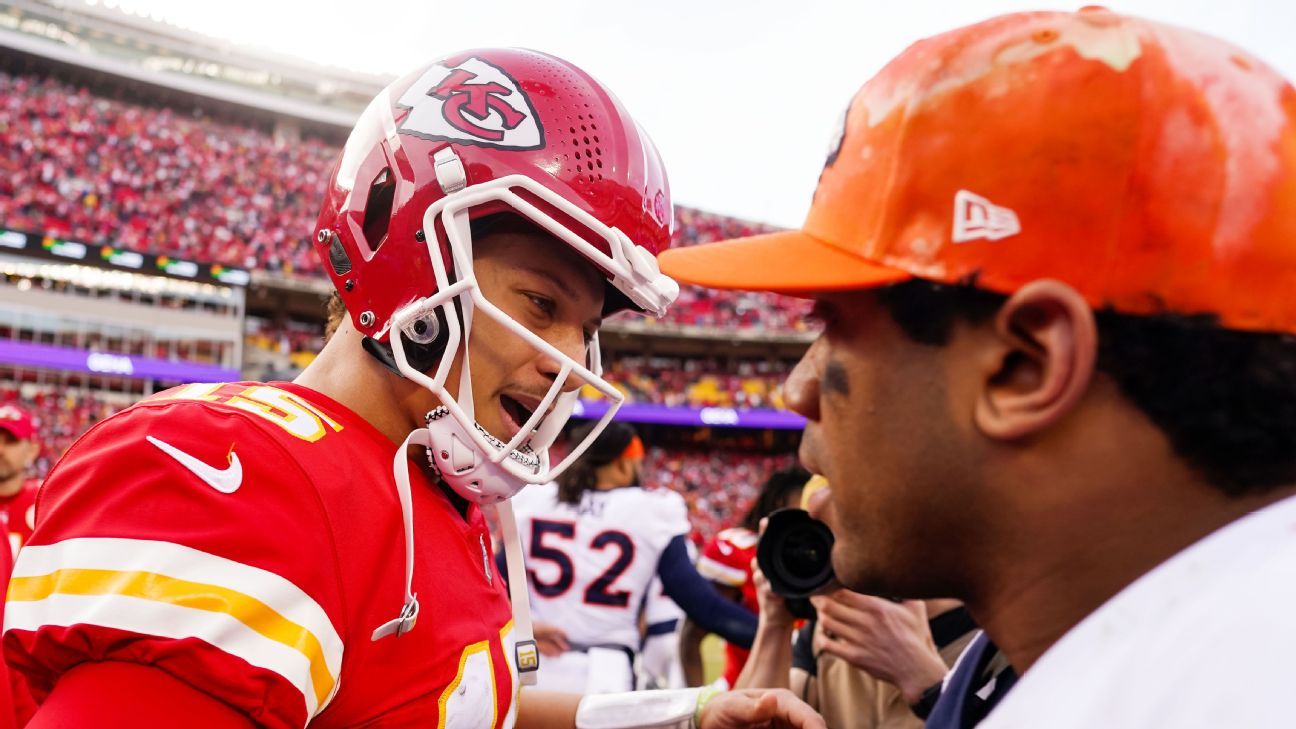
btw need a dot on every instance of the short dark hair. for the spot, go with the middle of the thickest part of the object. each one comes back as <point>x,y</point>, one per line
<point>773,493</point>
<point>1226,399</point>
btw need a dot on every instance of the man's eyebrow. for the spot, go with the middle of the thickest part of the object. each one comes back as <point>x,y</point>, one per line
<point>559,283</point>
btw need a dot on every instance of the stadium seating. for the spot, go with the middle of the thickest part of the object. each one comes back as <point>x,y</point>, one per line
<point>61,416</point>
<point>674,381</point>
<point>157,180</point>
<point>719,486</point>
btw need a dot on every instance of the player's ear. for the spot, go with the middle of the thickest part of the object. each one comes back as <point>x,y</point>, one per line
<point>1039,359</point>
<point>626,470</point>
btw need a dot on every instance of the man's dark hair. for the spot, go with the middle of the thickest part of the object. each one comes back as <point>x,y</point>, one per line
<point>1226,399</point>
<point>581,475</point>
<point>773,493</point>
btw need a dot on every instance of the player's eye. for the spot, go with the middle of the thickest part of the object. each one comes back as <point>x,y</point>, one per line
<point>543,304</point>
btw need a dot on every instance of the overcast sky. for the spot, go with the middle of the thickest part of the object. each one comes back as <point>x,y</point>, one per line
<point>739,96</point>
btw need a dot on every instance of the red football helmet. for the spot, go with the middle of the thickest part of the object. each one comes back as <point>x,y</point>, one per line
<point>473,134</point>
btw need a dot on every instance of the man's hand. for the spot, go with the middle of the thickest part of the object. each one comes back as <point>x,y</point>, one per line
<point>758,709</point>
<point>773,608</point>
<point>888,640</point>
<point>550,639</point>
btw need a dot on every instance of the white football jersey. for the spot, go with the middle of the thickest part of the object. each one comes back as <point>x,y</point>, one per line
<point>590,565</point>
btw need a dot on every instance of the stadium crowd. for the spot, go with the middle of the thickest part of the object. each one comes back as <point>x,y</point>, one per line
<point>102,171</point>
<point>698,382</point>
<point>154,180</point>
<point>718,486</point>
<point>659,380</point>
<point>60,416</point>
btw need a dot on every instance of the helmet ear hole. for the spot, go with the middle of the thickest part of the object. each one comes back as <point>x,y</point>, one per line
<point>378,209</point>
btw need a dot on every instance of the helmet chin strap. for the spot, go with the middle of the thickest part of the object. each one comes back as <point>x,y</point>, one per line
<point>526,656</point>
<point>404,622</point>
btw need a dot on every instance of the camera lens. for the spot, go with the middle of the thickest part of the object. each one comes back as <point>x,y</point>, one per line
<point>804,552</point>
<point>795,553</point>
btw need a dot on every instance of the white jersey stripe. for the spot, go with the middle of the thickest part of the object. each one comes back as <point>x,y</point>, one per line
<point>722,573</point>
<point>167,621</point>
<point>191,565</point>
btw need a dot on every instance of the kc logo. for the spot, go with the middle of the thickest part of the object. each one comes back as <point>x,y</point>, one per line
<point>472,102</point>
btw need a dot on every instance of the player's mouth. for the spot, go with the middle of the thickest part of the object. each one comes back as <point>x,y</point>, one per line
<point>517,410</point>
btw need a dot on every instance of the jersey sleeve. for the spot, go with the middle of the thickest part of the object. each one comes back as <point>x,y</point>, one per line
<point>667,518</point>
<point>726,559</point>
<point>187,538</point>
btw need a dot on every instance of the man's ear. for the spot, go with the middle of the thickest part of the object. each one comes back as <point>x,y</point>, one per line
<point>1046,342</point>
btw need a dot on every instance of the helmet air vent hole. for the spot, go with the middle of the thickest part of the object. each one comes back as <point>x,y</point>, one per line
<point>378,209</point>
<point>338,257</point>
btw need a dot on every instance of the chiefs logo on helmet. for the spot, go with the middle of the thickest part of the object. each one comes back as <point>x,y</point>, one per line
<point>472,102</point>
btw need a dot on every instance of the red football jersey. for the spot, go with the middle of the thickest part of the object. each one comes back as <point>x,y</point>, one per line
<point>18,512</point>
<point>247,539</point>
<point>727,560</point>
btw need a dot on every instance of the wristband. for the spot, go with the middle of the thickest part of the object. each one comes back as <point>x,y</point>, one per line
<point>706,694</point>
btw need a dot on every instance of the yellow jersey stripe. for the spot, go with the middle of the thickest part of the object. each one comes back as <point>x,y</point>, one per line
<point>249,611</point>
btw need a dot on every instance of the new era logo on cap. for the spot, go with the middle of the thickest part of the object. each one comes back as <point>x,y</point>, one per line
<point>976,218</point>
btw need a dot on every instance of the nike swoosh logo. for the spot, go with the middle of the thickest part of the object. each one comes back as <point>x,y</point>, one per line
<point>225,480</point>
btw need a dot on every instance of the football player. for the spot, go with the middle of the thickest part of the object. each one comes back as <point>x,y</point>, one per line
<point>1054,255</point>
<point>594,542</point>
<point>314,552</point>
<point>19,447</point>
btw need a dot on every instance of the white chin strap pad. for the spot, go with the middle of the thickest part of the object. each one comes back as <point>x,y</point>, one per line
<point>671,709</point>
<point>463,467</point>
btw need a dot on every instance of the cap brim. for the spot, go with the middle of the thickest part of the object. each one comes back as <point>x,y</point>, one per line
<point>790,262</point>
<point>16,433</point>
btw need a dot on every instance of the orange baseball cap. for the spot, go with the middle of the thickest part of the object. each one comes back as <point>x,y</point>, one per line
<point>1151,168</point>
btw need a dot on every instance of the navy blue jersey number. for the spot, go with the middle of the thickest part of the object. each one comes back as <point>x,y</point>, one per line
<point>599,592</point>
<point>541,528</point>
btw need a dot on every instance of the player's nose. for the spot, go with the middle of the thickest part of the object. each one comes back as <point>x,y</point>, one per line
<point>570,342</point>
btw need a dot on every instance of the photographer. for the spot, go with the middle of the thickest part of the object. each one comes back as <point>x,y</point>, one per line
<point>728,560</point>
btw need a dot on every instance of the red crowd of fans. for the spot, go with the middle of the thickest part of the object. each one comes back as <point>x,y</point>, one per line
<point>101,171</point>
<point>152,179</point>
<point>697,382</point>
<point>719,486</point>
<point>674,381</point>
<point>60,417</point>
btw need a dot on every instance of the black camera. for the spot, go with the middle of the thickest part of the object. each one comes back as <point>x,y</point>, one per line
<point>795,553</point>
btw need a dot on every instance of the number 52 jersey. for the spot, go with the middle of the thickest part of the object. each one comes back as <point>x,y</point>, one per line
<point>590,564</point>
<point>247,539</point>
